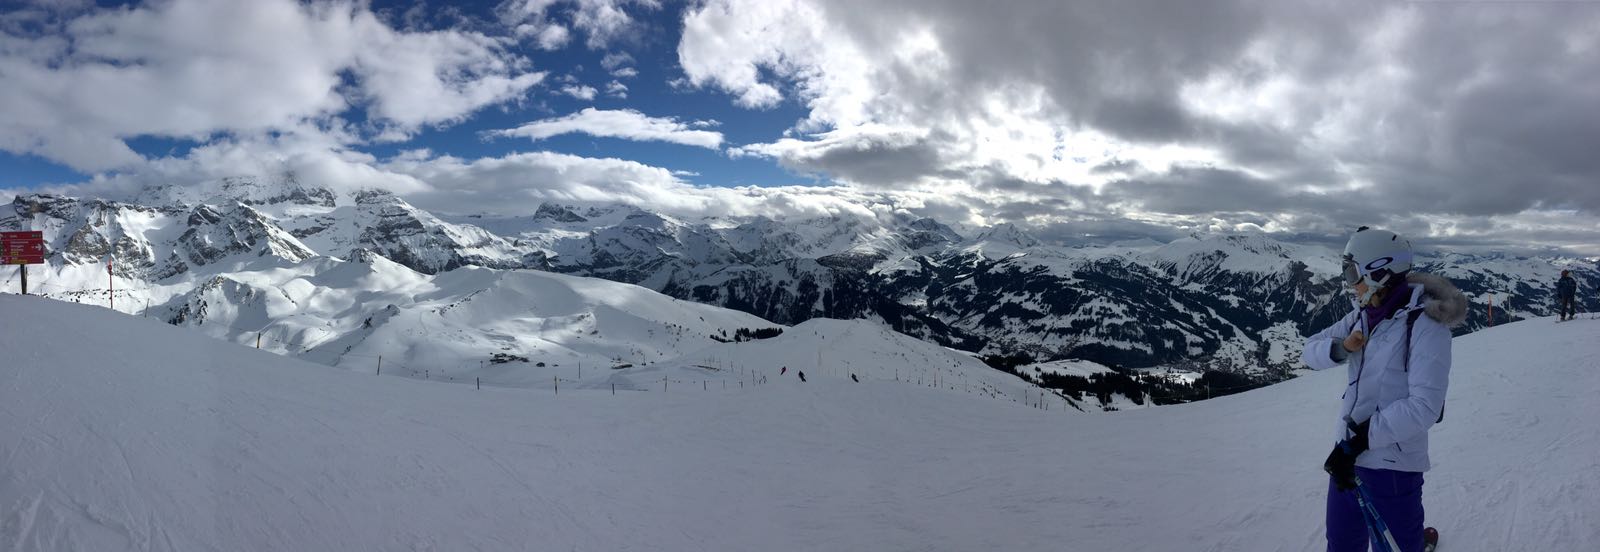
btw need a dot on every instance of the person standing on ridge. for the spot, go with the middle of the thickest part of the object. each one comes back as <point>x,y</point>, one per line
<point>1566,295</point>
<point>1396,347</point>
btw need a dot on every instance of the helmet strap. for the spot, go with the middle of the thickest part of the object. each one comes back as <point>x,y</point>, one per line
<point>1367,296</point>
<point>1372,288</point>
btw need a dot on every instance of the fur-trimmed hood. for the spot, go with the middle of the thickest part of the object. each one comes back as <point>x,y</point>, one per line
<point>1440,299</point>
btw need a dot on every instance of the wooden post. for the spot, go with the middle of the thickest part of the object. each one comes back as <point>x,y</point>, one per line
<point>703,385</point>
<point>663,384</point>
<point>480,383</point>
<point>380,366</point>
<point>24,278</point>
<point>557,383</point>
<point>258,340</point>
<point>613,389</point>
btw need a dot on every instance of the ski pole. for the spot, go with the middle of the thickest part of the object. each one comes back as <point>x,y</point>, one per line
<point>1382,539</point>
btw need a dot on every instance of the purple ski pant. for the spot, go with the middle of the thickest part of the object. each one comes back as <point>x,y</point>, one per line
<point>1398,496</point>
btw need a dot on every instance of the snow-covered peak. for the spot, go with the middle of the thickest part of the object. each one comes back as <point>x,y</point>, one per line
<point>213,235</point>
<point>1199,256</point>
<point>280,189</point>
<point>1007,234</point>
<point>926,232</point>
<point>654,221</point>
<point>557,213</point>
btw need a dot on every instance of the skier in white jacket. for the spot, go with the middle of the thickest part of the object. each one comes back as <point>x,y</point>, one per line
<point>1396,345</point>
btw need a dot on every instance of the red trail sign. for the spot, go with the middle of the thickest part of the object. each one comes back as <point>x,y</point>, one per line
<point>22,247</point>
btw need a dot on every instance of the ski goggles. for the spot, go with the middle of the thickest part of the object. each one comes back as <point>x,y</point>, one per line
<point>1354,272</point>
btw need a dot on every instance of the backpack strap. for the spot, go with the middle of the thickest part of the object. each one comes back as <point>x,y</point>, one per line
<point>1411,323</point>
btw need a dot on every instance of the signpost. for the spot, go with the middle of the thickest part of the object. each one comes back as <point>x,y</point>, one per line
<point>22,249</point>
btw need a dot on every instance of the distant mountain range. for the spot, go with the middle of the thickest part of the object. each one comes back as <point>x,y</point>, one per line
<point>1235,303</point>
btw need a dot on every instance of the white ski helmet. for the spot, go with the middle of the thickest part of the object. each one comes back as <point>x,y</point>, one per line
<point>1375,256</point>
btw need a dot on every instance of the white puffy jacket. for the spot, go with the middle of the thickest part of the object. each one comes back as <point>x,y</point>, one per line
<point>1402,399</point>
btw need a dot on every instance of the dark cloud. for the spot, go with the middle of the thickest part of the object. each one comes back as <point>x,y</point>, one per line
<point>1118,166</point>
<point>885,160</point>
<point>1426,115</point>
<point>1100,231</point>
<point>1196,191</point>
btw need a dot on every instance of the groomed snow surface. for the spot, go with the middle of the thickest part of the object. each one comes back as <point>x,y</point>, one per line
<point>118,433</point>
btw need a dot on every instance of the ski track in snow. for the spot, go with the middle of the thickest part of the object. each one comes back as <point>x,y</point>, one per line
<point>126,434</point>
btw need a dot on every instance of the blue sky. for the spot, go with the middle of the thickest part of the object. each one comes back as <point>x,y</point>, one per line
<point>653,49</point>
<point>1449,121</point>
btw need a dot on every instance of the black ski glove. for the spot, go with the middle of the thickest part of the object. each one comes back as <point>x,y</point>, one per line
<point>1341,463</point>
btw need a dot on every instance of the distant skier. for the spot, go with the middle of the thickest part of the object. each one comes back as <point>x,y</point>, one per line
<point>1387,411</point>
<point>1566,295</point>
<point>802,374</point>
<point>853,378</point>
<point>782,370</point>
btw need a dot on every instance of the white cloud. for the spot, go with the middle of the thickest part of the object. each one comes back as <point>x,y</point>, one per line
<point>582,92</point>
<point>726,44</point>
<point>602,21</point>
<point>197,68</point>
<point>618,64</point>
<point>617,90</point>
<point>517,183</point>
<point>626,123</point>
<point>616,59</point>
<point>311,155</point>
<point>552,37</point>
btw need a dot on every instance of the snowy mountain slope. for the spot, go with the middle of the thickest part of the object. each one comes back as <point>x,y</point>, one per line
<point>151,243</point>
<point>124,433</point>
<point>384,223</point>
<point>1065,368</point>
<point>455,324</point>
<point>837,349</point>
<point>1205,302</point>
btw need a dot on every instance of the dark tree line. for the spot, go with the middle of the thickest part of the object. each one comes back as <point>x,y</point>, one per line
<point>748,334</point>
<point>1101,386</point>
